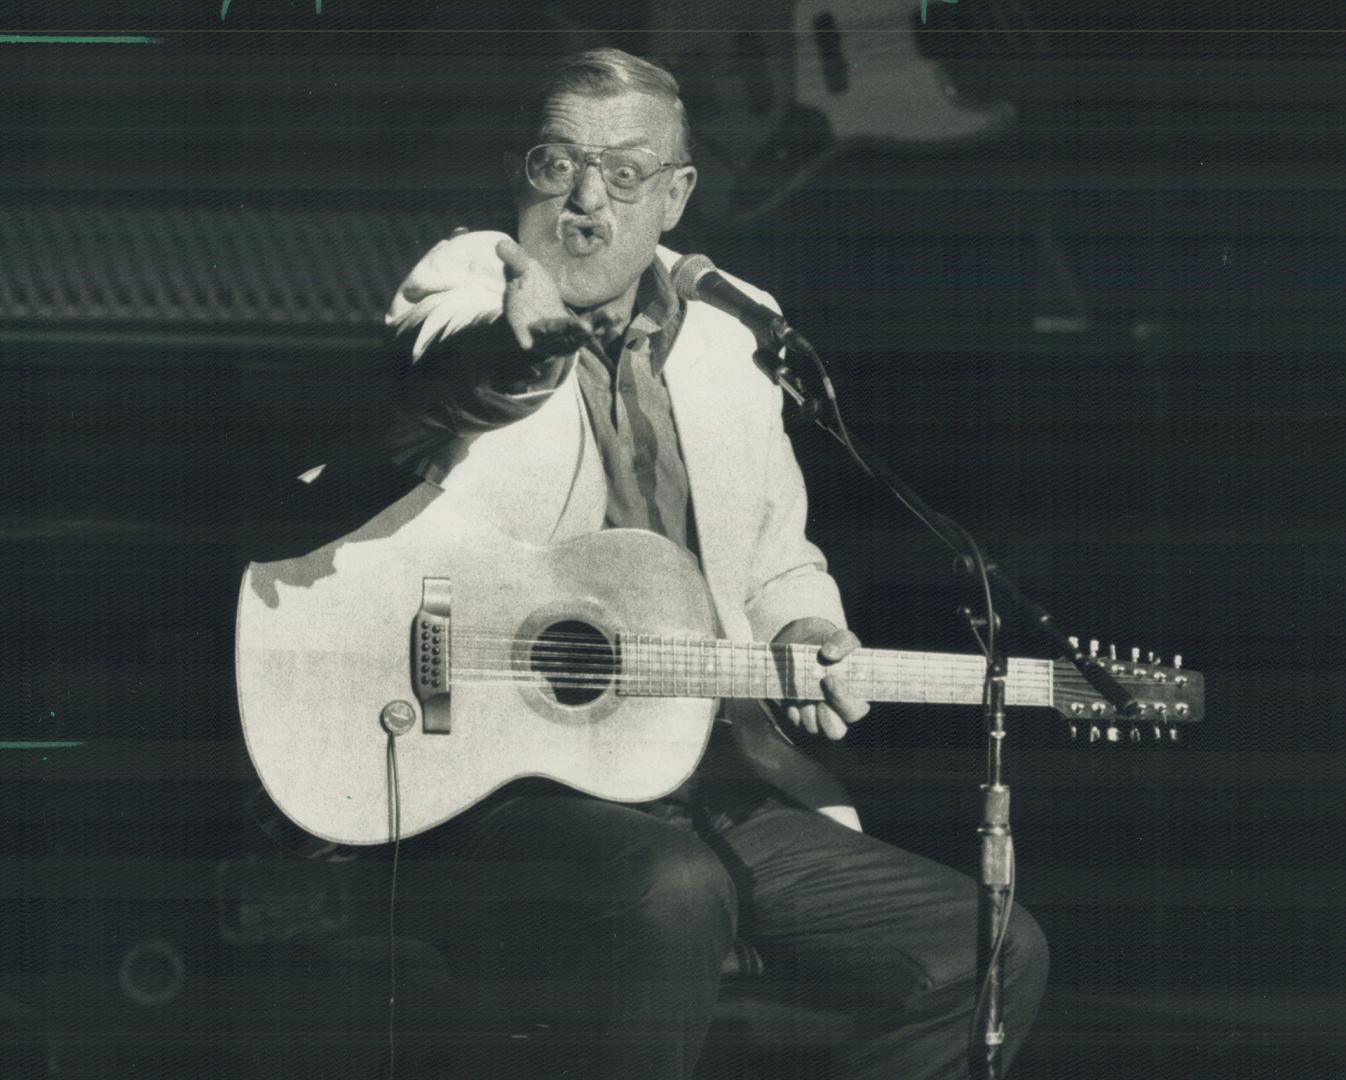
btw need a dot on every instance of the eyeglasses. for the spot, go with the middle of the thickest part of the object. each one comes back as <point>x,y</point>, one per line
<point>555,168</point>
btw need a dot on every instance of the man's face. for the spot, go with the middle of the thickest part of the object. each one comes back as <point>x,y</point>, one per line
<point>594,246</point>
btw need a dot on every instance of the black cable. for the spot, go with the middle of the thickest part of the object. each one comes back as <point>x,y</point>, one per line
<point>395,812</point>
<point>1001,931</point>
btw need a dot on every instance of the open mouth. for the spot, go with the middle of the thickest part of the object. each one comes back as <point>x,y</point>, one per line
<point>583,237</point>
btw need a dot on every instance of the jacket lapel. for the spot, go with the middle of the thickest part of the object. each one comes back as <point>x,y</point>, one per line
<point>715,453</point>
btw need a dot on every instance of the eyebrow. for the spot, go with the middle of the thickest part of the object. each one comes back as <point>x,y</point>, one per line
<point>638,142</point>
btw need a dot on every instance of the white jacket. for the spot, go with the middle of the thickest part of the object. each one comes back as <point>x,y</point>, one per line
<point>541,480</point>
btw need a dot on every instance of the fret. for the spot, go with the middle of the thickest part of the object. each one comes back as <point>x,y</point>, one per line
<point>937,679</point>
<point>711,668</point>
<point>1029,682</point>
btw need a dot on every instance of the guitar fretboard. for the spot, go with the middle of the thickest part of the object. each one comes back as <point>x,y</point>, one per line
<point>654,666</point>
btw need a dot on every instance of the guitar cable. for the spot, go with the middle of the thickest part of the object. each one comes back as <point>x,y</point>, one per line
<point>395,821</point>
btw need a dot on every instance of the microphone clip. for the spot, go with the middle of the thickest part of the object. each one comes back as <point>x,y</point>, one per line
<point>775,368</point>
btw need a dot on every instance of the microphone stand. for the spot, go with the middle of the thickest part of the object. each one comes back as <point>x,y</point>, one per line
<point>997,844</point>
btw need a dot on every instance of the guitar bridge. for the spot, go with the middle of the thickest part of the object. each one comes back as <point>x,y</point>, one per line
<point>430,654</point>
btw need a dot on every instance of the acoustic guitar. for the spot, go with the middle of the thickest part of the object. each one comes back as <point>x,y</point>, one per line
<point>593,662</point>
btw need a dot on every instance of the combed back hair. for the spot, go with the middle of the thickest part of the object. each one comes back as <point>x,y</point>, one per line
<point>603,73</point>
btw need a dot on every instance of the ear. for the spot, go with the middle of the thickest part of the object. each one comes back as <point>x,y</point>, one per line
<point>679,191</point>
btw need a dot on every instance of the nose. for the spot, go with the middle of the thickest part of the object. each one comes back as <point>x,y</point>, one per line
<point>590,191</point>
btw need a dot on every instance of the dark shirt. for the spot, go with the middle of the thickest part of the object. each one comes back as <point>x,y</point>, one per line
<point>480,379</point>
<point>632,418</point>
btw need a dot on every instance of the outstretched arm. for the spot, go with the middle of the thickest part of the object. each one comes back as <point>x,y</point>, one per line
<point>482,338</point>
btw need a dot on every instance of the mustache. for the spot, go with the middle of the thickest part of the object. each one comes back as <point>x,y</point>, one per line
<point>574,223</point>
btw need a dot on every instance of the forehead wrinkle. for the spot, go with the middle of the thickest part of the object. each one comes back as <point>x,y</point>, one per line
<point>639,120</point>
<point>639,142</point>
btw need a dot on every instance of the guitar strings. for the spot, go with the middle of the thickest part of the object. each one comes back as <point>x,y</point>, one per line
<point>568,660</point>
<point>1020,691</point>
<point>580,661</point>
<point>553,646</point>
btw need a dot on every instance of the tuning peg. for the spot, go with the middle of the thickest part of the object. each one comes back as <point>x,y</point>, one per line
<point>1135,654</point>
<point>1074,641</point>
<point>1177,661</point>
<point>1074,730</point>
<point>1134,734</point>
<point>1113,734</point>
<point>1094,734</point>
<point>1174,735</point>
<point>1150,657</point>
<point>1093,646</point>
<point>1112,651</point>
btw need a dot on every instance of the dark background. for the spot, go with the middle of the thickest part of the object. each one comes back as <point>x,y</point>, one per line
<point>1106,337</point>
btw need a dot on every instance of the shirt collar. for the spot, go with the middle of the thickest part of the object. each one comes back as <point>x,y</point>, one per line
<point>657,314</point>
<point>656,301</point>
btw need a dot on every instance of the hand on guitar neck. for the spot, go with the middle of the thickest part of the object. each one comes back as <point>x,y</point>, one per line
<point>834,715</point>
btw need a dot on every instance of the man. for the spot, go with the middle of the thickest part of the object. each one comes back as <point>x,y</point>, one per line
<point>558,386</point>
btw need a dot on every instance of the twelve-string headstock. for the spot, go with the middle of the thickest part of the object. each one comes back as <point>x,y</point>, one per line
<point>1169,696</point>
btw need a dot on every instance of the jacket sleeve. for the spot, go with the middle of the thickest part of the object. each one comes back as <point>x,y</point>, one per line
<point>789,576</point>
<point>460,370</point>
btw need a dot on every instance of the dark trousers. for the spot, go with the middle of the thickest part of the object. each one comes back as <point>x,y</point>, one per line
<point>613,922</point>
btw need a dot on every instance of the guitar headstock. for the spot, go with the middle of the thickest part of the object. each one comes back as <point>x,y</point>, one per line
<point>1169,695</point>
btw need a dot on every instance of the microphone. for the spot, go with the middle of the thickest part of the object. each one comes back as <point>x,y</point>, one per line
<point>695,278</point>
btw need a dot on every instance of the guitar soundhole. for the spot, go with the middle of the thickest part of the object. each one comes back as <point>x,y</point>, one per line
<point>577,662</point>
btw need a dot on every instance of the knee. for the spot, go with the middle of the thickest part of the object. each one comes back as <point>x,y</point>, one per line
<point>680,889</point>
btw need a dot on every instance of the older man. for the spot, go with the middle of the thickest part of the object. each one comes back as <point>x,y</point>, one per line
<point>557,386</point>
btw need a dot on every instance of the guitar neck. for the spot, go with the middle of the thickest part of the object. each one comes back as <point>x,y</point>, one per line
<point>674,667</point>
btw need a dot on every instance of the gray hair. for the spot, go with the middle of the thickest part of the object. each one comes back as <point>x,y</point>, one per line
<point>604,72</point>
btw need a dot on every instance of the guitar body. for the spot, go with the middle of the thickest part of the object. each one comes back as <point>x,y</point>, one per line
<point>324,645</point>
